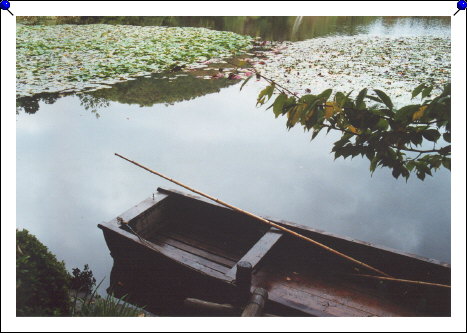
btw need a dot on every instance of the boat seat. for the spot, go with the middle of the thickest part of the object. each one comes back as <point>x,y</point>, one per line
<point>259,250</point>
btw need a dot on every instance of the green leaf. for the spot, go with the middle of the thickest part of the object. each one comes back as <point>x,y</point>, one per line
<point>271,90</point>
<point>302,111</point>
<point>244,82</point>
<point>385,98</point>
<point>431,135</point>
<point>359,101</point>
<point>309,99</point>
<point>445,150</point>
<point>405,113</point>
<point>435,161</point>
<point>382,124</point>
<point>376,99</point>
<point>340,99</point>
<point>421,175</point>
<point>423,167</point>
<point>410,165</point>
<point>324,96</point>
<point>340,143</point>
<point>446,90</point>
<point>265,92</point>
<point>416,138</point>
<point>293,116</point>
<point>418,90</point>
<point>315,132</point>
<point>396,171</point>
<point>320,115</point>
<point>447,137</point>
<point>426,92</point>
<point>447,163</point>
<point>374,163</point>
<point>278,104</point>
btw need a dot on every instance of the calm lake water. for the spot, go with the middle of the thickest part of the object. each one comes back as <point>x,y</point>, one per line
<point>209,135</point>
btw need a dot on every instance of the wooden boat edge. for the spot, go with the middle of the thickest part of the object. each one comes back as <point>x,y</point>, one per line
<point>135,211</point>
<point>113,226</point>
<point>299,227</point>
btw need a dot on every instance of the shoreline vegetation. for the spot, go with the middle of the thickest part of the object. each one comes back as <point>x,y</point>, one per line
<point>44,288</point>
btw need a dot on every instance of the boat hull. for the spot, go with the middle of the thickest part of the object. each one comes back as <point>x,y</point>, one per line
<point>181,247</point>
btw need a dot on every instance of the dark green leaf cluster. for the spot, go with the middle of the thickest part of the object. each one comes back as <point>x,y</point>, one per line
<point>83,280</point>
<point>372,127</point>
<point>41,280</point>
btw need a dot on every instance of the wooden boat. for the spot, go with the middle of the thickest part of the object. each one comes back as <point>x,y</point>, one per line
<point>179,246</point>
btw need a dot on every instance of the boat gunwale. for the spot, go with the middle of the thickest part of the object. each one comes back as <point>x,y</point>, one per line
<point>136,211</point>
<point>297,226</point>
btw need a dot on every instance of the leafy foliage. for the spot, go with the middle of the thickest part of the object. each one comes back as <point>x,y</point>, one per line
<point>83,280</point>
<point>41,280</point>
<point>43,286</point>
<point>371,127</point>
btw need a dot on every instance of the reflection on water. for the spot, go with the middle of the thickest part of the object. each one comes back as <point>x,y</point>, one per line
<point>276,28</point>
<point>166,88</point>
<point>409,26</point>
<point>160,89</point>
<point>68,178</point>
<point>30,104</point>
<point>209,135</point>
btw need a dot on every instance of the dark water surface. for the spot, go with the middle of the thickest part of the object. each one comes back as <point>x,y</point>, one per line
<point>209,135</point>
<point>277,28</point>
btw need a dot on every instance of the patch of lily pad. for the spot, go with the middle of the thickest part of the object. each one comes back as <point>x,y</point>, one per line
<point>395,65</point>
<point>74,58</point>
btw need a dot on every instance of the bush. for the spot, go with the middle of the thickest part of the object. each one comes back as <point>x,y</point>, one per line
<point>83,280</point>
<point>41,280</point>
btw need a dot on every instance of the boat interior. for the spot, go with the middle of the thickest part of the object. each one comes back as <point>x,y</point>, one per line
<point>212,239</point>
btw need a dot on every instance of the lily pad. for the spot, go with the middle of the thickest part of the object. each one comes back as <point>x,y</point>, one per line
<point>79,57</point>
<point>395,65</point>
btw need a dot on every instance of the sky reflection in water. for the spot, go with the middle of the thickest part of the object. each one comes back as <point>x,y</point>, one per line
<point>68,178</point>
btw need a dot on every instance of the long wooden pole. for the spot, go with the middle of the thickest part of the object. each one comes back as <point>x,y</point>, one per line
<point>259,218</point>
<point>403,280</point>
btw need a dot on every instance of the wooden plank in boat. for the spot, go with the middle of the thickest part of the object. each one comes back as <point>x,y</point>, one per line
<point>259,250</point>
<point>184,258</point>
<point>216,232</point>
<point>194,250</point>
<point>194,257</point>
<point>206,244</point>
<point>327,295</point>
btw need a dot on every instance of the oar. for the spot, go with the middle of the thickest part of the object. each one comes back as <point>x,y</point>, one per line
<point>259,218</point>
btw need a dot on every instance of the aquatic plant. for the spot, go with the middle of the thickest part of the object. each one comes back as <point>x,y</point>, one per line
<point>393,64</point>
<point>64,58</point>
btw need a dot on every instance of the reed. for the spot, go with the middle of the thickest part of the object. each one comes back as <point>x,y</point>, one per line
<point>110,306</point>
